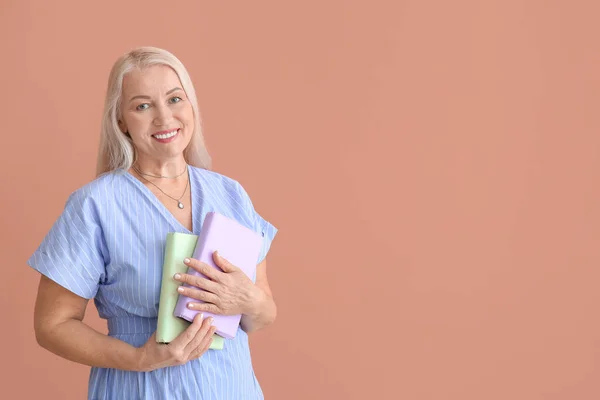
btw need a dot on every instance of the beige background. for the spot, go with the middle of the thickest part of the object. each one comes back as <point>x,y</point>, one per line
<point>432,166</point>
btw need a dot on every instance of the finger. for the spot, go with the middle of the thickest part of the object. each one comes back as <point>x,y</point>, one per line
<point>195,342</point>
<point>189,334</point>
<point>205,344</point>
<point>196,294</point>
<point>223,263</point>
<point>202,340</point>
<point>207,307</point>
<point>199,352</point>
<point>197,281</point>
<point>203,268</point>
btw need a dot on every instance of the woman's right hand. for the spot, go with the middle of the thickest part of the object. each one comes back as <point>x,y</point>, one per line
<point>189,345</point>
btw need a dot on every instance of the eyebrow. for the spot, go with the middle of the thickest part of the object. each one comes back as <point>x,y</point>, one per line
<point>148,97</point>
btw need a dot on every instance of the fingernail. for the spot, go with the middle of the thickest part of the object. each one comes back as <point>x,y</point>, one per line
<point>190,305</point>
<point>180,289</point>
<point>217,253</point>
<point>186,260</point>
<point>177,276</point>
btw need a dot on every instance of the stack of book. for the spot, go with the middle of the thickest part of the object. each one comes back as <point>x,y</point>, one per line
<point>236,243</point>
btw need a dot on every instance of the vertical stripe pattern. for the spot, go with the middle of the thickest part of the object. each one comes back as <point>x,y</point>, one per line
<point>108,244</point>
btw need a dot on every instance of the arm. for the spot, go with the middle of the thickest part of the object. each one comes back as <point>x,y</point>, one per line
<point>59,328</point>
<point>262,311</point>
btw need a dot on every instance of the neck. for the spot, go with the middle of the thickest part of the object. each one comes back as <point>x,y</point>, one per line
<point>166,168</point>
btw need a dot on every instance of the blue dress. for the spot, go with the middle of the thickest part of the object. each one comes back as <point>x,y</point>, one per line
<point>108,245</point>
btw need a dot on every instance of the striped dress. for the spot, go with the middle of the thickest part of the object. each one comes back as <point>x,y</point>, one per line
<point>108,245</point>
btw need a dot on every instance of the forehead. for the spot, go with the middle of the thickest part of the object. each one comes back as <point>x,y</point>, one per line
<point>153,80</point>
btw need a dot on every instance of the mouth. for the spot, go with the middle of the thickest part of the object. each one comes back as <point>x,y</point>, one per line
<point>166,135</point>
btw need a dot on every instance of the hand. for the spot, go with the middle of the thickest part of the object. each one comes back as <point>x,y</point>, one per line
<point>229,292</point>
<point>189,345</point>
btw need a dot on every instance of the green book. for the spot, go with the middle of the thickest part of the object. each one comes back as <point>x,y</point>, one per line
<point>178,246</point>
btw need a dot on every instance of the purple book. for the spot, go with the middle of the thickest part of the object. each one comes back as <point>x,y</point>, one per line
<point>236,243</point>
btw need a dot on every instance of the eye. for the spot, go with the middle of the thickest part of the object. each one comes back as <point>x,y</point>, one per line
<point>142,107</point>
<point>175,99</point>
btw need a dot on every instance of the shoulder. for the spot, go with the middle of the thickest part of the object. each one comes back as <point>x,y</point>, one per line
<point>218,181</point>
<point>225,194</point>
<point>96,193</point>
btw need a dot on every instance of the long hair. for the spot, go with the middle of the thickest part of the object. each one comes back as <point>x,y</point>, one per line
<point>116,150</point>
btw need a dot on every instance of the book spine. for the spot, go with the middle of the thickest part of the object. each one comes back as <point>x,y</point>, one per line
<point>163,313</point>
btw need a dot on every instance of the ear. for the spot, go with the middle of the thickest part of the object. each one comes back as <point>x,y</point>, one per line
<point>122,126</point>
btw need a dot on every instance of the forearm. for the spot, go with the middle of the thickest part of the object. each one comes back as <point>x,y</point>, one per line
<point>261,313</point>
<point>76,341</point>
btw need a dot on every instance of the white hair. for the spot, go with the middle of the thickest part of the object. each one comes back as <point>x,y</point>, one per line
<point>116,149</point>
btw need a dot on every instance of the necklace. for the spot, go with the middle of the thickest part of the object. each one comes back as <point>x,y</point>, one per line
<point>161,176</point>
<point>179,203</point>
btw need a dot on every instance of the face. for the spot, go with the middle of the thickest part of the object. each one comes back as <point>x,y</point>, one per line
<point>156,112</point>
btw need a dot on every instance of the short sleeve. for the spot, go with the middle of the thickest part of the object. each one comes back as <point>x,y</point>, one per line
<point>262,226</point>
<point>73,252</point>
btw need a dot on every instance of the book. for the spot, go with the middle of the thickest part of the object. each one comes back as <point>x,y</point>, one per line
<point>236,243</point>
<point>177,247</point>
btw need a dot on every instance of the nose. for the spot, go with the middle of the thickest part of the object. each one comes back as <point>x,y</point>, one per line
<point>163,115</point>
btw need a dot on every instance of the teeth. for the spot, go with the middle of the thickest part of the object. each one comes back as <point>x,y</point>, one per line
<point>166,135</point>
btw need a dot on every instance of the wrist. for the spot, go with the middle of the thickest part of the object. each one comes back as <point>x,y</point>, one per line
<point>257,299</point>
<point>138,360</point>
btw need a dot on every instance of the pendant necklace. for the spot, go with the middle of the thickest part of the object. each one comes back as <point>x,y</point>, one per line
<point>179,203</point>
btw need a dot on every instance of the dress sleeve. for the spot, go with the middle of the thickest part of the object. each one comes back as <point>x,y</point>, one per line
<point>73,253</point>
<point>262,226</point>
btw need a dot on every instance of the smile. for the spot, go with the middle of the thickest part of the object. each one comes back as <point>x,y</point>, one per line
<point>166,134</point>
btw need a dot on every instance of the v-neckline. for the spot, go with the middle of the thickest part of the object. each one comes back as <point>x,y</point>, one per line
<point>164,210</point>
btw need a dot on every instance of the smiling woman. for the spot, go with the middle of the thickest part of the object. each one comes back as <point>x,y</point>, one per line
<point>153,178</point>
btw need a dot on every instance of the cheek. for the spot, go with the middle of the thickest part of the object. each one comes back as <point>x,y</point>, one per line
<point>137,121</point>
<point>190,123</point>
<point>187,117</point>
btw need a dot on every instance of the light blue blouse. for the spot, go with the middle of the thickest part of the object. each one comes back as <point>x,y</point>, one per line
<point>108,245</point>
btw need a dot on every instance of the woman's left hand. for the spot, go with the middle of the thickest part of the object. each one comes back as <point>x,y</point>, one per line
<point>226,292</point>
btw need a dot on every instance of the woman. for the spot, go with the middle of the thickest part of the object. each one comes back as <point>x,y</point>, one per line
<point>153,178</point>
